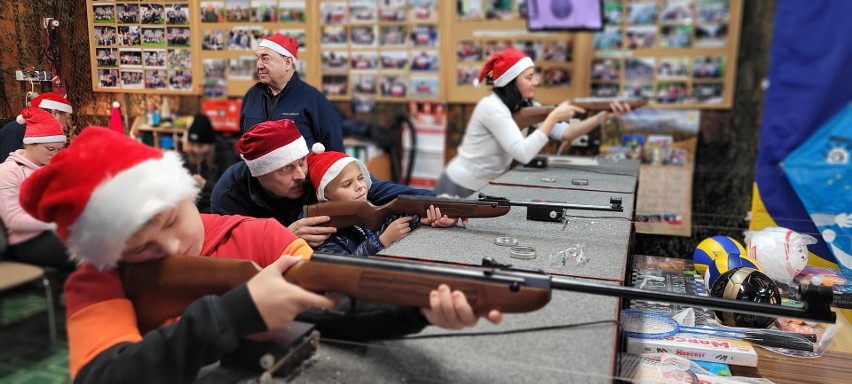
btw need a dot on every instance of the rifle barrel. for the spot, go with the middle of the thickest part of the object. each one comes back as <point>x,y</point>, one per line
<point>749,307</point>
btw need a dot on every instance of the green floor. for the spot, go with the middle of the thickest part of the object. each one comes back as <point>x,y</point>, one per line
<point>26,353</point>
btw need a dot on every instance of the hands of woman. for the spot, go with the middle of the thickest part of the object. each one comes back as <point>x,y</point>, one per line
<point>616,109</point>
<point>277,300</point>
<point>450,310</point>
<point>564,112</point>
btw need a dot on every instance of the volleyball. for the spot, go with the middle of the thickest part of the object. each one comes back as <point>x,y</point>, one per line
<point>725,263</point>
<point>711,248</point>
<point>746,284</point>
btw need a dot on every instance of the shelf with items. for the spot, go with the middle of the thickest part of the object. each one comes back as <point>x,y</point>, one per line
<point>168,135</point>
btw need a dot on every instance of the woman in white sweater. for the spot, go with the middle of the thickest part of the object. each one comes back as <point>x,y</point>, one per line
<point>492,139</point>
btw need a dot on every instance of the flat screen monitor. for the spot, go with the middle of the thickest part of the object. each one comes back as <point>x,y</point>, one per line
<point>565,15</point>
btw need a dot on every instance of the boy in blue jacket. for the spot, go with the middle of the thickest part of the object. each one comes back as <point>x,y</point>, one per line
<point>338,177</point>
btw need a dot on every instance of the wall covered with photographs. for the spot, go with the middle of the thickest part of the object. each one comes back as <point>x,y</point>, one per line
<point>676,53</point>
<point>142,46</point>
<point>673,52</point>
<point>230,32</point>
<point>384,50</point>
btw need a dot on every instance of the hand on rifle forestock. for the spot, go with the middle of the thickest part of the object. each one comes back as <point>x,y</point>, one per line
<point>436,219</point>
<point>563,112</point>
<point>451,310</point>
<point>616,109</point>
<point>313,230</point>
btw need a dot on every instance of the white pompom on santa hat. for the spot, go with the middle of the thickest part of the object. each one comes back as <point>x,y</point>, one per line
<point>102,189</point>
<point>503,67</point>
<point>282,44</point>
<point>270,145</point>
<point>324,166</point>
<point>41,127</point>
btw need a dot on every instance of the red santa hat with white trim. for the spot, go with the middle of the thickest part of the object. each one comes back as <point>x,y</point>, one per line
<point>282,44</point>
<point>102,189</point>
<point>48,100</point>
<point>503,67</point>
<point>41,127</point>
<point>324,166</point>
<point>53,101</point>
<point>270,145</point>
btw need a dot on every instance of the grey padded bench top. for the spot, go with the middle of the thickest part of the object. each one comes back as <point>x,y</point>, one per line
<point>585,354</point>
<point>608,176</point>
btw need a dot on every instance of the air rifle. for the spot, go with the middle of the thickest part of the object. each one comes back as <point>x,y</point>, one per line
<point>161,289</point>
<point>348,213</point>
<point>527,116</point>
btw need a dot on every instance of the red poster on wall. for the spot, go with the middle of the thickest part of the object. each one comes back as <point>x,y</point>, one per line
<point>223,114</point>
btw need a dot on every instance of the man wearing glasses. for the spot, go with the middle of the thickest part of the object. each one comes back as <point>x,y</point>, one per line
<point>30,240</point>
<point>12,134</point>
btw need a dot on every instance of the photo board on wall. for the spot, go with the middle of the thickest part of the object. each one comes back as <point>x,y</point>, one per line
<point>143,46</point>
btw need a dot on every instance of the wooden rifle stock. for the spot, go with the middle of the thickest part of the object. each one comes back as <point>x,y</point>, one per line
<point>527,116</point>
<point>162,289</point>
<point>348,213</point>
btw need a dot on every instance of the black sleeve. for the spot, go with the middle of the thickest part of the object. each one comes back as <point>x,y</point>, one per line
<point>209,328</point>
<point>226,198</point>
<point>367,321</point>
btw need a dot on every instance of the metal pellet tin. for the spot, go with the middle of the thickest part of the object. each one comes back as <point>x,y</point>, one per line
<point>505,241</point>
<point>522,252</point>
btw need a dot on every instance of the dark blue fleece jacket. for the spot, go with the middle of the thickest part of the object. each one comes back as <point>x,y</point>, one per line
<point>298,101</point>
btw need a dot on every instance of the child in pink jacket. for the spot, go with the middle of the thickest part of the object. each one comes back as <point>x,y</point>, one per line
<point>30,240</point>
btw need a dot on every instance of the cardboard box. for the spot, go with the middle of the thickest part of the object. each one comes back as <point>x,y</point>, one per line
<point>720,350</point>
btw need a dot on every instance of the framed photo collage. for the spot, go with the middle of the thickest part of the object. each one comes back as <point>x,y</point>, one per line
<point>142,46</point>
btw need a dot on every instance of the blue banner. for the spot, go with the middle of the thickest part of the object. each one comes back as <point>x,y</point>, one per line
<point>810,81</point>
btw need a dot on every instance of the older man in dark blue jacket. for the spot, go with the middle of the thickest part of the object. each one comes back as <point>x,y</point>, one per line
<point>281,94</point>
<point>272,182</point>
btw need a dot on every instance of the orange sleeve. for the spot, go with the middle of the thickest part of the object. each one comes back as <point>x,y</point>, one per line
<point>298,247</point>
<point>98,327</point>
<point>99,316</point>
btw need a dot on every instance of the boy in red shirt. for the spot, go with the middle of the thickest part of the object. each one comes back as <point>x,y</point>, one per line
<point>115,201</point>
